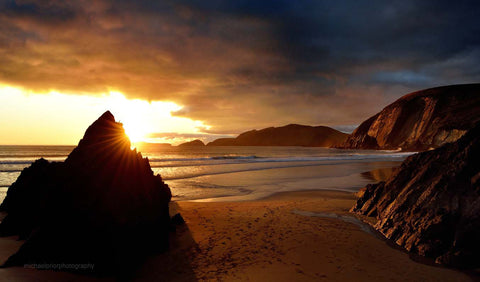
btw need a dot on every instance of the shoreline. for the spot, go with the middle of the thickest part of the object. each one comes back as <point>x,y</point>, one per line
<point>267,196</point>
<point>255,185</point>
<point>265,240</point>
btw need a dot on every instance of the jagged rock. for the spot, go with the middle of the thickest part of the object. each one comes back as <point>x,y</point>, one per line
<point>192,143</point>
<point>421,120</point>
<point>431,205</point>
<point>102,206</point>
<point>289,135</point>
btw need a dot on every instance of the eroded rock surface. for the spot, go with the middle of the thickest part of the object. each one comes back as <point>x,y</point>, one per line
<point>431,205</point>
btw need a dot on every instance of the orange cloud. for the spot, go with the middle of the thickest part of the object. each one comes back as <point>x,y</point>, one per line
<point>237,63</point>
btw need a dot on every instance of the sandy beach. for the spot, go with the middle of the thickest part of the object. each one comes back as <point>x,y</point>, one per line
<point>266,241</point>
<point>270,239</point>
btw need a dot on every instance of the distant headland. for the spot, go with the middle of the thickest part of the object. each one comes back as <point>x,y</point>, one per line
<point>418,121</point>
<point>289,135</point>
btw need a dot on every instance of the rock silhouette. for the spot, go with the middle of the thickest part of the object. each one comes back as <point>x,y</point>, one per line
<point>421,120</point>
<point>103,206</point>
<point>289,135</point>
<point>431,205</point>
<point>192,143</point>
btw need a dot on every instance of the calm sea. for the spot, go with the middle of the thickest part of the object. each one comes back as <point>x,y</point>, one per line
<point>233,173</point>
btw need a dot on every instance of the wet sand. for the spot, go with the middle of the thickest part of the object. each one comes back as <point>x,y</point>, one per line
<point>271,239</point>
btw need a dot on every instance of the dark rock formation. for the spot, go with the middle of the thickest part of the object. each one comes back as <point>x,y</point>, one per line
<point>431,205</point>
<point>289,135</point>
<point>421,120</point>
<point>193,143</point>
<point>26,196</point>
<point>102,206</point>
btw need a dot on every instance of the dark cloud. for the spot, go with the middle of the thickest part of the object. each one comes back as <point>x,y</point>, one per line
<point>243,64</point>
<point>41,12</point>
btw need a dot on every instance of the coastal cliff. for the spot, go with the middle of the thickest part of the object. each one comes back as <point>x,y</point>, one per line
<point>431,204</point>
<point>103,206</point>
<point>421,120</point>
<point>289,135</point>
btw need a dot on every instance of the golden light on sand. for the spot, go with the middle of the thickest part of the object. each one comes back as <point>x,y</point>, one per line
<point>58,118</point>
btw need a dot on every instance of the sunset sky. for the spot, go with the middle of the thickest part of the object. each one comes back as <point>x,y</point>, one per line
<point>177,70</point>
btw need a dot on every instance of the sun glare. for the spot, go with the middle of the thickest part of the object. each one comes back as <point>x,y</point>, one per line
<point>140,118</point>
<point>57,118</point>
<point>135,133</point>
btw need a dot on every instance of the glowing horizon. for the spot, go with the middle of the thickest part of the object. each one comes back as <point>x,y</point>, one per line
<point>55,118</point>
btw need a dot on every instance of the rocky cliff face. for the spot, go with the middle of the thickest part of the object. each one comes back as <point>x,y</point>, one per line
<point>431,205</point>
<point>289,135</point>
<point>420,120</point>
<point>102,206</point>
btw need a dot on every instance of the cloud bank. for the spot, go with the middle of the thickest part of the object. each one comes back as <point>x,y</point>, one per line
<point>238,65</point>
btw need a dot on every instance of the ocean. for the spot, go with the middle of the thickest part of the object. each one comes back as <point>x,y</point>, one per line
<point>234,173</point>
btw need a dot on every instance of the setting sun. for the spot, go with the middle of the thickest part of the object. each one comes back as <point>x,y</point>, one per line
<point>141,119</point>
<point>135,133</point>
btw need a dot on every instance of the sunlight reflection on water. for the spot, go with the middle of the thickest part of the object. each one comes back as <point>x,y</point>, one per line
<point>247,172</point>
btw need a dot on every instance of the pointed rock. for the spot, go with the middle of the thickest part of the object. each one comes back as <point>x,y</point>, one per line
<point>102,206</point>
